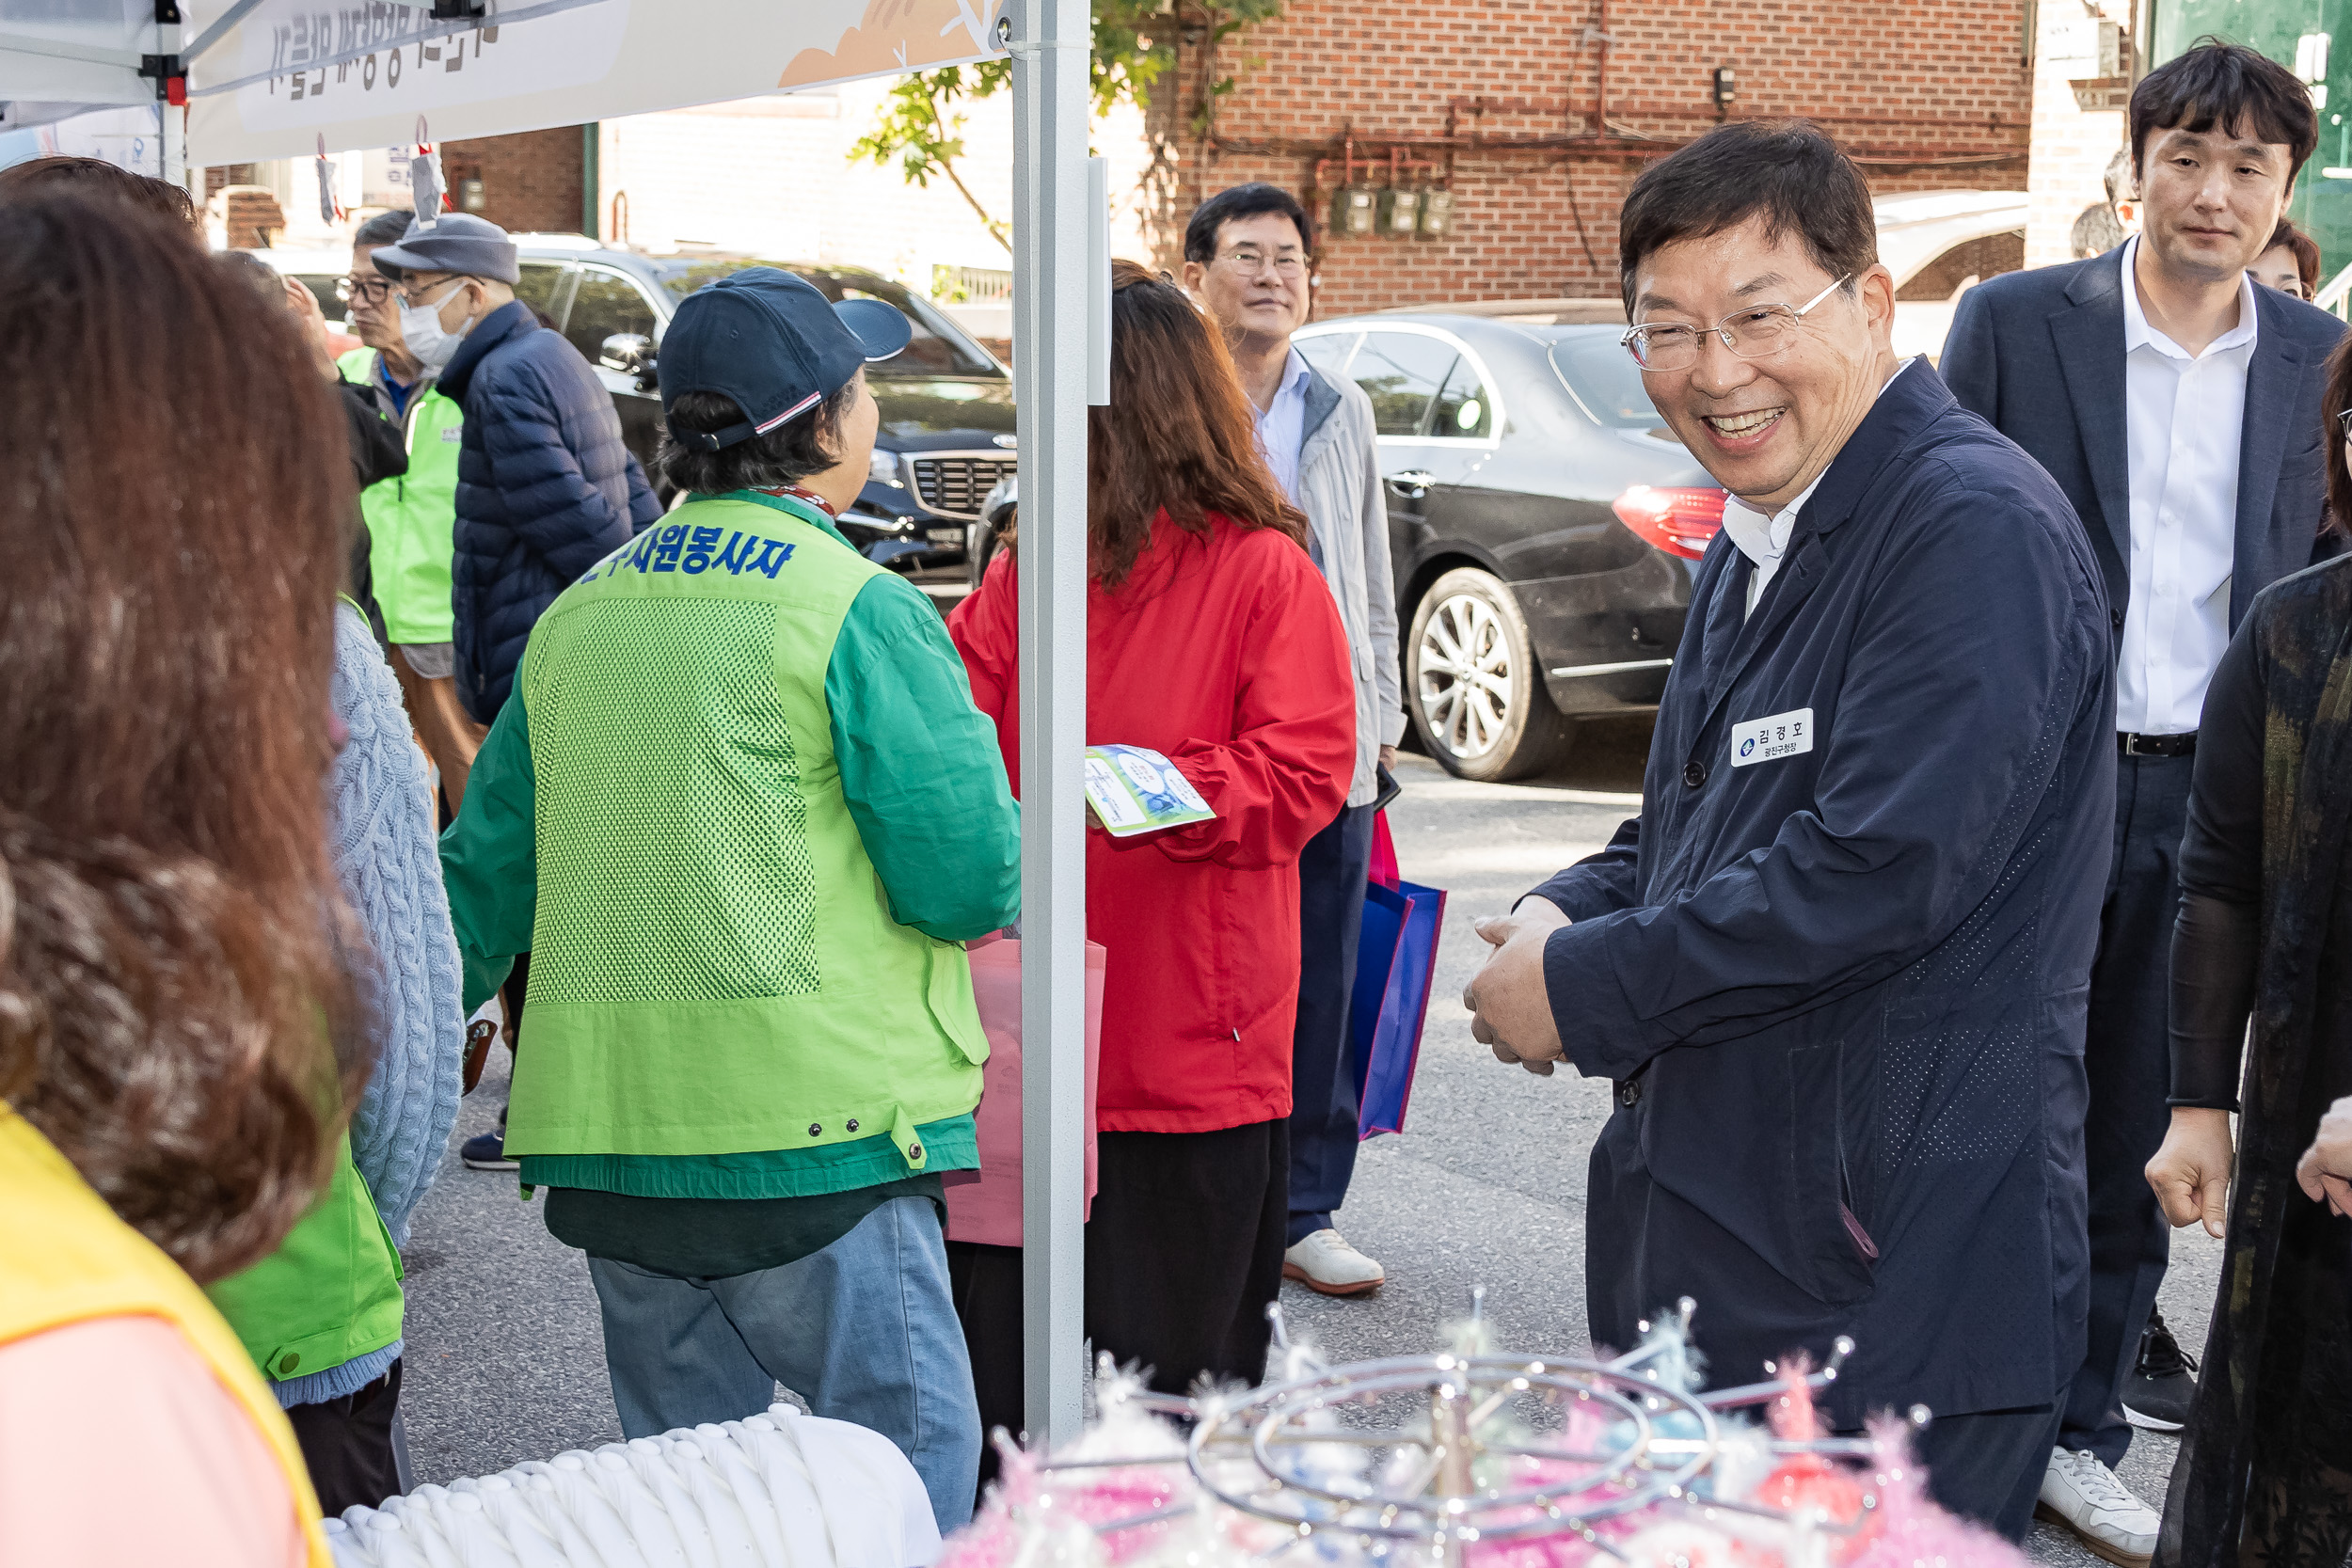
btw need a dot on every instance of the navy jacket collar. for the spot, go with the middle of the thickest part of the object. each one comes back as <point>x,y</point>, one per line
<point>1908,404</point>
<point>511,320</point>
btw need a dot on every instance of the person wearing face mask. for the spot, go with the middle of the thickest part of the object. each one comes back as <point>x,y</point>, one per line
<point>545,487</point>
<point>2177,404</point>
<point>1835,969</point>
<point>411,517</point>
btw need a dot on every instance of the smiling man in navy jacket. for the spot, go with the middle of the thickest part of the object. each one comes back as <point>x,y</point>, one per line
<point>2177,403</point>
<point>1836,968</point>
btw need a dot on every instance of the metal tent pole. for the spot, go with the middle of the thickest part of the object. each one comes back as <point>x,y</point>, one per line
<point>1049,40</point>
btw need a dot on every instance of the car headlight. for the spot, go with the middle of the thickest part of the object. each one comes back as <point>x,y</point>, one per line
<point>882,468</point>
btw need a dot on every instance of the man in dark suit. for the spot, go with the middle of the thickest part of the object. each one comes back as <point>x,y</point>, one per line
<point>2177,403</point>
<point>1837,967</point>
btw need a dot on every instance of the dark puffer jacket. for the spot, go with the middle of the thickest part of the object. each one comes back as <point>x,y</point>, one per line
<point>545,490</point>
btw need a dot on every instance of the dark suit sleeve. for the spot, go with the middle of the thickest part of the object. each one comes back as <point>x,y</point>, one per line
<point>376,451</point>
<point>1968,365</point>
<point>1948,731</point>
<point>1597,884</point>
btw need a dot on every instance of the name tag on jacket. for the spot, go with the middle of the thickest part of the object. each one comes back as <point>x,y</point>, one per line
<point>1783,734</point>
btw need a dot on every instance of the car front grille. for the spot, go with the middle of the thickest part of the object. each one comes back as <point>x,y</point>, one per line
<point>954,483</point>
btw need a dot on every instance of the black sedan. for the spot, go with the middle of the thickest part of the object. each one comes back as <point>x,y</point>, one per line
<point>946,433</point>
<point>1542,522</point>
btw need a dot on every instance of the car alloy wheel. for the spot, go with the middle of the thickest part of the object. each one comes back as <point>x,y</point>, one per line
<point>1478,701</point>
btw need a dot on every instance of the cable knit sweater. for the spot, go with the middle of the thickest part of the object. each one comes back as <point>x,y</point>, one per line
<point>389,858</point>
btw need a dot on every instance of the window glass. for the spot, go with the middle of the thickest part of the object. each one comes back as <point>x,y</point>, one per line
<point>1400,373</point>
<point>938,347</point>
<point>1603,378</point>
<point>1465,407</point>
<point>540,282</point>
<point>1327,352</point>
<point>605,304</point>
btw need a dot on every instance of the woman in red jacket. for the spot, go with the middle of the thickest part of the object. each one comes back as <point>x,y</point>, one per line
<point>1210,638</point>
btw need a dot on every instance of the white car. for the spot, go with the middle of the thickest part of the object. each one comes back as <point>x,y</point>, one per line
<point>1939,245</point>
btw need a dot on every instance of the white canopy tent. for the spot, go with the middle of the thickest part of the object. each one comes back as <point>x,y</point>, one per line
<point>284,78</point>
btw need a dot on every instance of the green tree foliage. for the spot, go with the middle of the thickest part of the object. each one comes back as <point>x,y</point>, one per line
<point>920,127</point>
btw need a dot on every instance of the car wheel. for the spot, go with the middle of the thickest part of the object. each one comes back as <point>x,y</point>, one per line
<point>1476,695</point>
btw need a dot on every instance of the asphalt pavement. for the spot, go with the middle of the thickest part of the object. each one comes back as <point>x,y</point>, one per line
<point>1485,1186</point>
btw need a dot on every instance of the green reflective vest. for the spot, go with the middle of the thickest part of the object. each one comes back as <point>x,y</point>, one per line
<point>714,965</point>
<point>330,1291</point>
<point>412,517</point>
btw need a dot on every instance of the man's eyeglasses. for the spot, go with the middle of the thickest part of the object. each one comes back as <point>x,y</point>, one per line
<point>416,293</point>
<point>1753,333</point>
<point>365,290</point>
<point>1248,262</point>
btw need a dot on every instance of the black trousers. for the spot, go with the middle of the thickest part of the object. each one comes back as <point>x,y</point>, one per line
<point>2128,1064</point>
<point>1332,870</point>
<point>353,1446</point>
<point>1184,1252</point>
<point>1989,1466</point>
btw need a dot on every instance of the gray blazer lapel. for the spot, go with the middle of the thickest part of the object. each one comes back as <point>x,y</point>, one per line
<point>2088,337</point>
<point>2274,382</point>
<point>1321,397</point>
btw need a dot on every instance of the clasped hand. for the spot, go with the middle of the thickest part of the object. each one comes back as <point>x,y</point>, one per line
<point>2191,1172</point>
<point>1511,1007</point>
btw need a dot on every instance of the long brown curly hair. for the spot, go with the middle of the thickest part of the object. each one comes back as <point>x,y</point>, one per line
<point>173,1014</point>
<point>1177,436</point>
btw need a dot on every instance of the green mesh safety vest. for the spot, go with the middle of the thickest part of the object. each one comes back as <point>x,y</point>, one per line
<point>714,967</point>
<point>412,517</point>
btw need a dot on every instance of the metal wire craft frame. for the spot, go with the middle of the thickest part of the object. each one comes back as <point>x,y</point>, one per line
<point>1439,1504</point>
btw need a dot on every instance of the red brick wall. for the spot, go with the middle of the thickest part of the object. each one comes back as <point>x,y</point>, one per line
<point>1932,94</point>
<point>531,182</point>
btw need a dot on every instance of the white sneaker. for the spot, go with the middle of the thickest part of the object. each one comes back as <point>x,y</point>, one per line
<point>1323,1262</point>
<point>2081,1494</point>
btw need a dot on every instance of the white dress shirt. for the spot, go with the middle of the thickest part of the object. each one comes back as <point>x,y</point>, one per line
<point>2185,415</point>
<point>1765,539</point>
<point>1282,425</point>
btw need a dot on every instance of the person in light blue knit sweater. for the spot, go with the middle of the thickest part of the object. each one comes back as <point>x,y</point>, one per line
<point>386,854</point>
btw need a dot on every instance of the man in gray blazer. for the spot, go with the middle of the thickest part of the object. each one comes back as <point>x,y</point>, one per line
<point>2178,405</point>
<point>1247,258</point>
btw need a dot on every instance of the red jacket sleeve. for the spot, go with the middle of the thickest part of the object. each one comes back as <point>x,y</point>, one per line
<point>986,630</point>
<point>1285,775</point>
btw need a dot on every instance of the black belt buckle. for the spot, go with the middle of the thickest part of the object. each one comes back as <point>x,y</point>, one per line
<point>2133,745</point>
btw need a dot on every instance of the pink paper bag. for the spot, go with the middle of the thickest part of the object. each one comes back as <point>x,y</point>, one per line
<point>985,1205</point>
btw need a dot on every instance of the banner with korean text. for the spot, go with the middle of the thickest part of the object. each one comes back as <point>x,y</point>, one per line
<point>363,76</point>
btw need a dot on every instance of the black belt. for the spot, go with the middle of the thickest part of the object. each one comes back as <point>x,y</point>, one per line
<point>2158,745</point>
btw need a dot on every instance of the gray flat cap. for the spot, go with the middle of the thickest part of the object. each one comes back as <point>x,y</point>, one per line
<point>454,242</point>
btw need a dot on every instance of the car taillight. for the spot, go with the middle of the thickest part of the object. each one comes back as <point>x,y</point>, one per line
<point>1679,520</point>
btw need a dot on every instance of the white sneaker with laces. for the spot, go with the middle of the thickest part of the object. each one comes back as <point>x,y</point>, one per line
<point>2081,1494</point>
<point>1324,1262</point>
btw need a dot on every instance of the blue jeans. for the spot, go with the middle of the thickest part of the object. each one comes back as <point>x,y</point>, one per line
<point>865,1331</point>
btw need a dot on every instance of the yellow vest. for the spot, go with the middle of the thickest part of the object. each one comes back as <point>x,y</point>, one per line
<point>66,1258</point>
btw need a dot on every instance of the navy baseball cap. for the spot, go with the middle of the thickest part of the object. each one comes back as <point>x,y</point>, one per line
<point>774,344</point>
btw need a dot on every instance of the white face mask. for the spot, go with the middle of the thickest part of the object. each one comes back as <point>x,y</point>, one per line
<point>421,332</point>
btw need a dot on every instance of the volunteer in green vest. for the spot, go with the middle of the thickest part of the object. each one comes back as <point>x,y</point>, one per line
<point>410,518</point>
<point>743,814</point>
